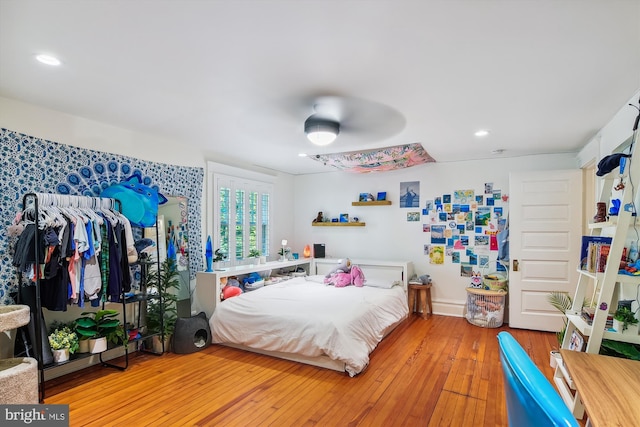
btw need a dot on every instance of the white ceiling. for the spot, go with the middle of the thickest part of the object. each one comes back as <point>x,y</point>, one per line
<point>231,78</point>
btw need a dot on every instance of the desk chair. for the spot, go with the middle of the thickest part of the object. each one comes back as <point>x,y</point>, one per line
<point>531,399</point>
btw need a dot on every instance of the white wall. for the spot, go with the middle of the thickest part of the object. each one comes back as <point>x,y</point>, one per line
<point>608,139</point>
<point>81,132</point>
<point>387,234</point>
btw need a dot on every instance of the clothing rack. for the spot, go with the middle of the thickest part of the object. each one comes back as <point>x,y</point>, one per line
<point>33,203</point>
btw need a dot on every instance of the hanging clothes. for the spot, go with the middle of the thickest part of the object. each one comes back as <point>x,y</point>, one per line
<point>83,253</point>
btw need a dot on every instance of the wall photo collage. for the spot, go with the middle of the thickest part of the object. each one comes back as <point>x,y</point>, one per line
<point>462,228</point>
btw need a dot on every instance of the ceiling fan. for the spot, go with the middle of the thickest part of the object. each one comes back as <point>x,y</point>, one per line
<point>354,119</point>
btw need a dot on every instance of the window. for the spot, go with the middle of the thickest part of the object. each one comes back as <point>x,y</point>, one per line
<point>241,216</point>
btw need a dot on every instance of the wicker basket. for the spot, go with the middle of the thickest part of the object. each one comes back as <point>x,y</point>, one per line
<point>485,308</point>
<point>497,281</point>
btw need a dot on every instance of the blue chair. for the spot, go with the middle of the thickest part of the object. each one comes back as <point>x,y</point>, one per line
<point>531,399</point>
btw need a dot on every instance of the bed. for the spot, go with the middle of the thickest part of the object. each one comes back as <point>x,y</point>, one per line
<point>304,320</point>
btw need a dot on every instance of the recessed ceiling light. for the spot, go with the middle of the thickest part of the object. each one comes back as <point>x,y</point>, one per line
<point>302,155</point>
<point>481,132</point>
<point>48,59</point>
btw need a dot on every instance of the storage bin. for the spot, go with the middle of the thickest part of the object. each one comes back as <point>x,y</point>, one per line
<point>497,280</point>
<point>253,286</point>
<point>485,308</point>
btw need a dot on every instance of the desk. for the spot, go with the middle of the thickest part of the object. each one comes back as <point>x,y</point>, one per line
<point>609,387</point>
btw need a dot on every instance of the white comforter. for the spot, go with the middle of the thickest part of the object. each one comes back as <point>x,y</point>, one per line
<point>303,316</point>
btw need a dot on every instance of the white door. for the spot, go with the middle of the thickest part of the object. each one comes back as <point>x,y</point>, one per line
<point>545,229</point>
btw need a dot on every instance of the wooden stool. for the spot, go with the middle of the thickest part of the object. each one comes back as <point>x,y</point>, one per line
<point>423,302</point>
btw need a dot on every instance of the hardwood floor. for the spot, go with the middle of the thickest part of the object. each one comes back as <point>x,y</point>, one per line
<point>437,371</point>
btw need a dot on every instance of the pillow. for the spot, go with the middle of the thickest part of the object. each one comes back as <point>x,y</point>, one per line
<point>381,283</point>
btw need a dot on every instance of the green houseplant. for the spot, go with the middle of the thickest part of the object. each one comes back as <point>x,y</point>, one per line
<point>254,253</point>
<point>562,302</point>
<point>101,325</point>
<point>218,255</point>
<point>625,317</point>
<point>162,310</point>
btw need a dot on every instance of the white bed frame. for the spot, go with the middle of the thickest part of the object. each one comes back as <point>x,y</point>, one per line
<point>383,270</point>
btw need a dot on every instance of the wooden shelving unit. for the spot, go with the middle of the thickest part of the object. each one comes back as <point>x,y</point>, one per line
<point>374,203</point>
<point>338,224</point>
<point>607,286</point>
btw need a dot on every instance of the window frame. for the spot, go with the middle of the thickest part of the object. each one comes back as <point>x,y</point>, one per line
<point>238,179</point>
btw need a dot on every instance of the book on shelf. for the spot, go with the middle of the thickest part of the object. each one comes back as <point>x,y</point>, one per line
<point>588,251</point>
<point>588,313</point>
<point>595,253</point>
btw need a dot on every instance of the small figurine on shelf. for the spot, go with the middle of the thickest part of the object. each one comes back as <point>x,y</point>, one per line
<point>319,217</point>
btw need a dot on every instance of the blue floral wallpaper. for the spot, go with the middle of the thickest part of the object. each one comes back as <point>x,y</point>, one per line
<point>30,164</point>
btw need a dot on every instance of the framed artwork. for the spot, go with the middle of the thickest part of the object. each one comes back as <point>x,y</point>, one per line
<point>363,197</point>
<point>382,195</point>
<point>577,342</point>
<point>344,217</point>
<point>410,194</point>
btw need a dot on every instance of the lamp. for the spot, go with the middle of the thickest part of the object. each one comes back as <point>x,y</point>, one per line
<point>284,243</point>
<point>321,131</point>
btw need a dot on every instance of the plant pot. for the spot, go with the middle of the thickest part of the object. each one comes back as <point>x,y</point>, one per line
<point>617,325</point>
<point>157,343</point>
<point>555,359</point>
<point>263,259</point>
<point>83,346</point>
<point>98,345</point>
<point>61,355</point>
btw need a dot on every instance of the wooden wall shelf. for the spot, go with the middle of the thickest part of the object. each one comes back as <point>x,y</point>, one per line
<point>374,203</point>
<point>338,224</point>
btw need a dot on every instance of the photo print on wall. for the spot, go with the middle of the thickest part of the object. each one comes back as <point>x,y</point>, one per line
<point>410,194</point>
<point>466,222</point>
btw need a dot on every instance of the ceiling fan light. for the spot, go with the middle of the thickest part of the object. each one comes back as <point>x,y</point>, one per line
<point>321,131</point>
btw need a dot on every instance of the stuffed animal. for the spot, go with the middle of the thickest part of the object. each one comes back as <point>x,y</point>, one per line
<point>230,288</point>
<point>344,266</point>
<point>340,279</point>
<point>319,217</point>
<point>476,280</point>
<point>357,276</point>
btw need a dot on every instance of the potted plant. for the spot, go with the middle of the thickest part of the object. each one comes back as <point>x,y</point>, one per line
<point>218,257</point>
<point>255,253</point>
<point>63,341</point>
<point>622,318</point>
<point>101,327</point>
<point>162,310</point>
<point>284,253</point>
<point>562,302</point>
